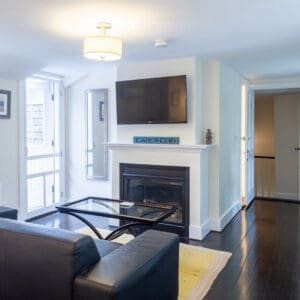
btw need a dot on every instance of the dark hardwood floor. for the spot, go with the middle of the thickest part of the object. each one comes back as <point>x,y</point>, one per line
<point>265,245</point>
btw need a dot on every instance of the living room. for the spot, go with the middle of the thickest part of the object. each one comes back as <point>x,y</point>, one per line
<point>111,110</point>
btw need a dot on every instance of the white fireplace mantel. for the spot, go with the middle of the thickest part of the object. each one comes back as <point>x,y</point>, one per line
<point>160,147</point>
<point>195,157</point>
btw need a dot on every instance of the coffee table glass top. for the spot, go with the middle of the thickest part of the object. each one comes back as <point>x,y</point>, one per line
<point>146,212</point>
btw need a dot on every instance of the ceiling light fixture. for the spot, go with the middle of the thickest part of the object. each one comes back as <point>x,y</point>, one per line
<point>102,47</point>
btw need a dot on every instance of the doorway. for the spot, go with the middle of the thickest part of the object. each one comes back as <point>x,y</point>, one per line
<point>277,144</point>
<point>42,157</point>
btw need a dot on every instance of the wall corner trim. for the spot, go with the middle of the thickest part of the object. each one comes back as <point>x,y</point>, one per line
<point>200,232</point>
<point>218,224</point>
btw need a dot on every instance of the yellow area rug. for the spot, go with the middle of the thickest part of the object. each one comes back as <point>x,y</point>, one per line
<point>198,266</point>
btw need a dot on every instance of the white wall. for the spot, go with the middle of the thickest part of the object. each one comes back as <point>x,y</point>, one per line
<point>9,150</point>
<point>77,186</point>
<point>187,66</point>
<point>210,119</point>
<point>230,139</point>
<point>221,112</point>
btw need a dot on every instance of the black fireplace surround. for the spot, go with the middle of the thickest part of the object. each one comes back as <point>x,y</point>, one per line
<point>159,184</point>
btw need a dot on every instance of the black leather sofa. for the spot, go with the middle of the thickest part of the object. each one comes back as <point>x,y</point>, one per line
<point>8,213</point>
<point>40,263</point>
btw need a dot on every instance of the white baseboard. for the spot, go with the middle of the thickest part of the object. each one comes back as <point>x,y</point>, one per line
<point>250,196</point>
<point>291,196</point>
<point>215,224</point>
<point>219,224</point>
<point>199,232</point>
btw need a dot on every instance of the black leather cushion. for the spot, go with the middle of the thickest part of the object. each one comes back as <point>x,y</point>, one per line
<point>37,262</point>
<point>144,269</point>
<point>105,247</point>
<point>9,213</point>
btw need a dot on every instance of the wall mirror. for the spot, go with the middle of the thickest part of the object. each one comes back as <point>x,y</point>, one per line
<point>96,141</point>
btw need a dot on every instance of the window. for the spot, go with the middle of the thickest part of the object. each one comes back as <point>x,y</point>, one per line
<point>44,159</point>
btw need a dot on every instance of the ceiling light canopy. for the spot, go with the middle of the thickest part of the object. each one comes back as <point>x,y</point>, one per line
<point>102,47</point>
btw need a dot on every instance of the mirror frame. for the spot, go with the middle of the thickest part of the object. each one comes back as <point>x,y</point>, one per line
<point>105,137</point>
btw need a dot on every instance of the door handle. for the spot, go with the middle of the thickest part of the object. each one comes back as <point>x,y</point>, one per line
<point>297,148</point>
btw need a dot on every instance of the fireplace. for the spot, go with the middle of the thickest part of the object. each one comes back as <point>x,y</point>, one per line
<point>159,184</point>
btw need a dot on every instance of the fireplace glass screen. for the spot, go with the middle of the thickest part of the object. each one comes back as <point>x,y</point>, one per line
<point>162,191</point>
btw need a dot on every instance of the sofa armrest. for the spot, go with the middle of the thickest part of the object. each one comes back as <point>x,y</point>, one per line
<point>145,268</point>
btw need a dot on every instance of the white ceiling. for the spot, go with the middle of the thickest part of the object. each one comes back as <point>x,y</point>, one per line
<point>259,38</point>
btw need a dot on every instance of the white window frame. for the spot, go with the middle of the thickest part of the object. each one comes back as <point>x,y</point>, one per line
<point>23,205</point>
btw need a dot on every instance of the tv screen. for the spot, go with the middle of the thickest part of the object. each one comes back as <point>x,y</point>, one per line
<point>154,100</point>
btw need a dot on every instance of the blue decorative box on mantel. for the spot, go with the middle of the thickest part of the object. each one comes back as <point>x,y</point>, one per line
<point>156,140</point>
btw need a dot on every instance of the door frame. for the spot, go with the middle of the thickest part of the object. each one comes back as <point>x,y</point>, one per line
<point>247,137</point>
<point>264,85</point>
<point>23,207</point>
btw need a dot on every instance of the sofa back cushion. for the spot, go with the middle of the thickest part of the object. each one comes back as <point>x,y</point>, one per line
<point>37,262</point>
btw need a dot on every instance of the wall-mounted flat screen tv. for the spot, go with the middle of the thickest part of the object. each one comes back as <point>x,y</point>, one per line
<point>152,101</point>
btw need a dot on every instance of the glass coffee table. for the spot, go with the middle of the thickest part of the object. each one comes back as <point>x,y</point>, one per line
<point>131,214</point>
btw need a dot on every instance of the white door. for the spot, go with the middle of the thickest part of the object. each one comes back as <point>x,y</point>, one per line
<point>287,143</point>
<point>247,176</point>
<point>43,167</point>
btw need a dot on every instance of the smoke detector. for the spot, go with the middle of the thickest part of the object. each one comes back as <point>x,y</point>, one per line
<point>161,43</point>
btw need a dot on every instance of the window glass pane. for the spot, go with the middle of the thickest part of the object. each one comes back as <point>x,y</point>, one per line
<point>40,165</point>
<point>39,117</point>
<point>57,163</point>
<point>35,124</point>
<point>35,192</point>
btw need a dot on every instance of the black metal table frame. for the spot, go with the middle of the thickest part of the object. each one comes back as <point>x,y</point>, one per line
<point>134,221</point>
